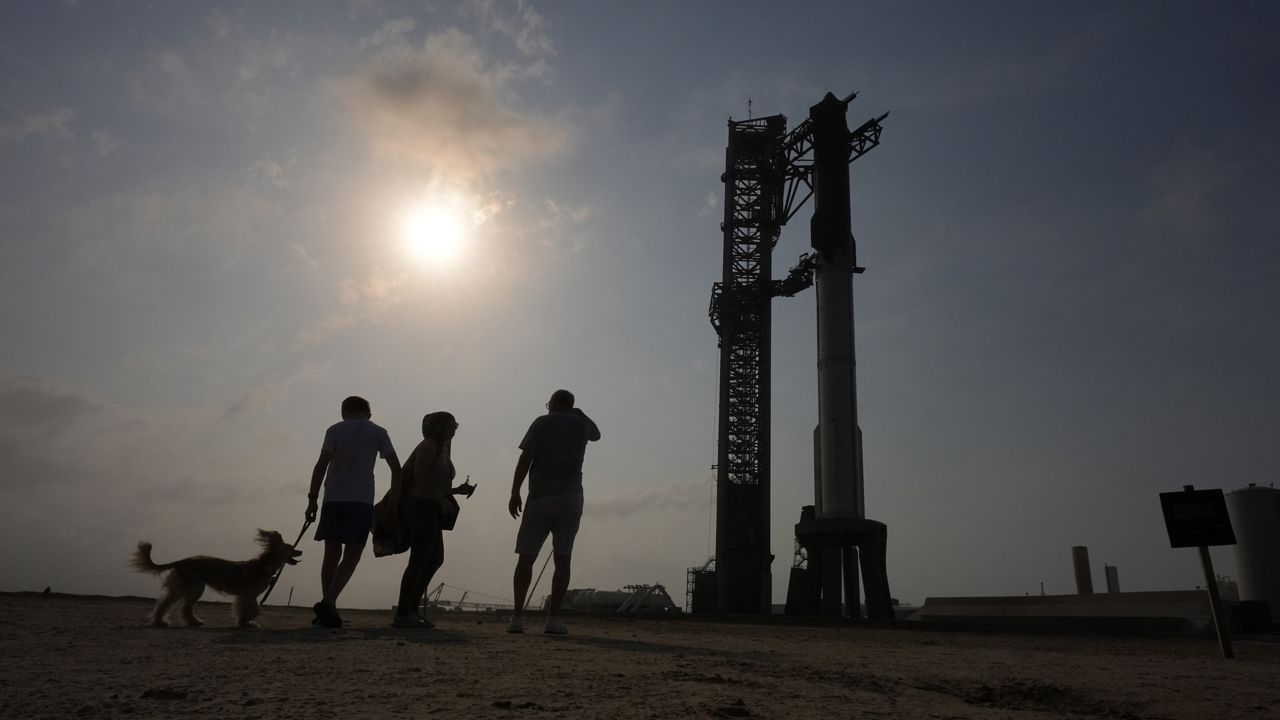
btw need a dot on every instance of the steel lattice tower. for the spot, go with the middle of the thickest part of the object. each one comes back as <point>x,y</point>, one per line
<point>740,312</point>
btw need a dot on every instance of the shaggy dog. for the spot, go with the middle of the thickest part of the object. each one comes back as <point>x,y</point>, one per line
<point>246,579</point>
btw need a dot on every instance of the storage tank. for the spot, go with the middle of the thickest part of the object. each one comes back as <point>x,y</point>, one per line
<point>1255,517</point>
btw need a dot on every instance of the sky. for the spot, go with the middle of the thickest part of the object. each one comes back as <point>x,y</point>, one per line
<point>219,219</point>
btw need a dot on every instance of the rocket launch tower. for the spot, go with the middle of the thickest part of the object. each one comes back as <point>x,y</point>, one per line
<point>769,175</point>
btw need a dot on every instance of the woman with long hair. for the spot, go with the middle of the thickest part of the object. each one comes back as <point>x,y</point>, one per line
<point>424,497</point>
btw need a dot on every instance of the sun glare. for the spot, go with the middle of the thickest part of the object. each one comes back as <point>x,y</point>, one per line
<point>435,233</point>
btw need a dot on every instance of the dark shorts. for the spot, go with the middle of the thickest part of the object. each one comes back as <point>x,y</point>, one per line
<point>345,522</point>
<point>556,515</point>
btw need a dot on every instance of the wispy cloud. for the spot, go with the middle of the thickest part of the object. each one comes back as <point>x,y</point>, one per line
<point>442,106</point>
<point>50,125</point>
<point>361,301</point>
<point>517,20</point>
<point>269,172</point>
<point>37,403</point>
<point>105,143</point>
<point>649,499</point>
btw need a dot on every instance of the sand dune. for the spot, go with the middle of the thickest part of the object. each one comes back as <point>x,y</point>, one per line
<point>66,657</point>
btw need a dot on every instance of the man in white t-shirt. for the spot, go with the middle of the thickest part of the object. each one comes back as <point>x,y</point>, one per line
<point>347,458</point>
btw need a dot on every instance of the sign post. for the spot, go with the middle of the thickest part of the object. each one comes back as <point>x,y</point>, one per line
<point>1198,518</point>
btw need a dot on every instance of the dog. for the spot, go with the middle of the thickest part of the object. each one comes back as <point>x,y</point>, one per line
<point>245,580</point>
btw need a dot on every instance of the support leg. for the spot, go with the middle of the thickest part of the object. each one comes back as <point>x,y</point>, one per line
<point>852,595</point>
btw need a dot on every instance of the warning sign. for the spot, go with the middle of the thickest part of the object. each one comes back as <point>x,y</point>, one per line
<point>1197,518</point>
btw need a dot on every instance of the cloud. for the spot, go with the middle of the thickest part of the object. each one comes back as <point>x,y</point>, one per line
<point>35,402</point>
<point>649,500</point>
<point>392,32</point>
<point>166,84</point>
<point>270,172</point>
<point>254,399</point>
<point>104,143</point>
<point>710,204</point>
<point>517,20</point>
<point>365,301</point>
<point>442,107</point>
<point>562,226</point>
<point>52,126</point>
<point>219,24</point>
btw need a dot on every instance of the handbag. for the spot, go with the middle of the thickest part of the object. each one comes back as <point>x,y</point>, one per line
<point>449,513</point>
<point>390,536</point>
<point>390,532</point>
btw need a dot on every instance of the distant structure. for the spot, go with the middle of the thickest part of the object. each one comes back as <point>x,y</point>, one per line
<point>631,599</point>
<point>1113,578</point>
<point>1255,518</point>
<point>769,174</point>
<point>1080,563</point>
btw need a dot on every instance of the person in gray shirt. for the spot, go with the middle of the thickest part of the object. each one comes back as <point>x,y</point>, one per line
<point>551,454</point>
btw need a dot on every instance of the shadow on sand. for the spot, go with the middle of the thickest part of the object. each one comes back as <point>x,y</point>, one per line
<point>648,647</point>
<point>237,636</point>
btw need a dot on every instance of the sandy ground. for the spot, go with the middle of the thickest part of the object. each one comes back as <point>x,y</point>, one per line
<point>69,657</point>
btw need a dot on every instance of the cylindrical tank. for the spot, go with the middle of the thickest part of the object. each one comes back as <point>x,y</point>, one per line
<point>1255,518</point>
<point>1080,560</point>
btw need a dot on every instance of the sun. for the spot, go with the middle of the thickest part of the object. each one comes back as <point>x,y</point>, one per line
<point>435,232</point>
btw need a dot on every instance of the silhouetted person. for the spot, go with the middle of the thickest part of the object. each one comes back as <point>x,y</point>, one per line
<point>551,455</point>
<point>426,486</point>
<point>345,467</point>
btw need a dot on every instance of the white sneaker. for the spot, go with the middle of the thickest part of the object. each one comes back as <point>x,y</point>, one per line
<point>516,625</point>
<point>555,627</point>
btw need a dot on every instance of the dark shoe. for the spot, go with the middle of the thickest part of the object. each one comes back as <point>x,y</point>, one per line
<point>427,624</point>
<point>326,615</point>
<point>406,621</point>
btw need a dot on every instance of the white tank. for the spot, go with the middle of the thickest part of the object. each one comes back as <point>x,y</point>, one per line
<point>1255,518</point>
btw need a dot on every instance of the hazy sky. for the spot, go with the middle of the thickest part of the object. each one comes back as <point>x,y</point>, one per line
<point>1070,231</point>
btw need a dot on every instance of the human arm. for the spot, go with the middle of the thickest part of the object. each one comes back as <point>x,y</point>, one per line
<point>397,474</point>
<point>593,432</point>
<point>317,479</point>
<point>522,469</point>
<point>466,488</point>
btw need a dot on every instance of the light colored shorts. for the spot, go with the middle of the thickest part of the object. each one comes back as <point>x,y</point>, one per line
<point>558,515</point>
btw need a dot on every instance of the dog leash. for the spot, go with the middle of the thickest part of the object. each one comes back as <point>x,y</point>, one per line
<point>280,572</point>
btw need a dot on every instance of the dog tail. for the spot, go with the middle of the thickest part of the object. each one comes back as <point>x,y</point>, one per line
<point>142,562</point>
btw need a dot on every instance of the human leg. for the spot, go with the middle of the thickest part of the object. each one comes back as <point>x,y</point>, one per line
<point>435,559</point>
<point>523,576</point>
<point>520,587</point>
<point>347,525</point>
<point>559,584</point>
<point>423,519</point>
<point>329,565</point>
<point>351,553</point>
<point>568,516</point>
